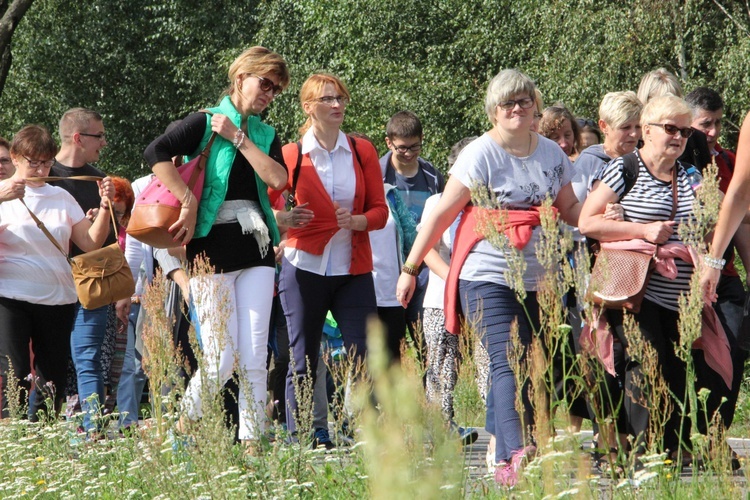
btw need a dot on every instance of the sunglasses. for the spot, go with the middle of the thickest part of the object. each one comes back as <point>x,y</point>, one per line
<point>267,85</point>
<point>674,129</point>
<point>585,122</point>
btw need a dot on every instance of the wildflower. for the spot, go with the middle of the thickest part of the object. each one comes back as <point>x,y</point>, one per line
<point>40,459</point>
<point>40,482</point>
<point>669,476</point>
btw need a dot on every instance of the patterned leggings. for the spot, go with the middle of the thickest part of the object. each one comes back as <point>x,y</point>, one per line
<point>442,360</point>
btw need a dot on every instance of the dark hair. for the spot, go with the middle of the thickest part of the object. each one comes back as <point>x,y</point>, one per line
<point>4,143</point>
<point>34,141</point>
<point>403,124</point>
<point>588,125</point>
<point>457,148</point>
<point>705,98</point>
<point>364,137</point>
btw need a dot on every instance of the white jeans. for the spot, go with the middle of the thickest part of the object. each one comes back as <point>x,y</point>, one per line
<point>234,311</point>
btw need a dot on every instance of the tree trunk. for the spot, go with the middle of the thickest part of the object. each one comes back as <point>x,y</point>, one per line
<point>12,15</point>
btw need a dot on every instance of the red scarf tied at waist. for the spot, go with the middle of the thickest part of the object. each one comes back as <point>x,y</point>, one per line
<point>598,340</point>
<point>517,225</point>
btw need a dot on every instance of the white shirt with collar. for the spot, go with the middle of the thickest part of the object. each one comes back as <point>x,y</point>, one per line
<point>336,172</point>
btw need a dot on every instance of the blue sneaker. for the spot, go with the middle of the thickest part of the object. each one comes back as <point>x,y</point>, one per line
<point>322,438</point>
<point>467,435</point>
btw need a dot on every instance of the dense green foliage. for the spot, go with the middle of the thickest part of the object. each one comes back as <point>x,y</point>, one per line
<point>143,63</point>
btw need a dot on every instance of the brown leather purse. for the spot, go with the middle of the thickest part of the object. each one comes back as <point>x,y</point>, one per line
<point>619,278</point>
<point>101,276</point>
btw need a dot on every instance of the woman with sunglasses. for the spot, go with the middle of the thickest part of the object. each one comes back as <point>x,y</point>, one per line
<point>233,226</point>
<point>648,205</point>
<point>37,294</point>
<point>522,168</point>
<point>327,263</point>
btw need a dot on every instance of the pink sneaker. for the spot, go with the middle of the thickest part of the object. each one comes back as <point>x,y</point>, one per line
<point>518,460</point>
<point>504,475</point>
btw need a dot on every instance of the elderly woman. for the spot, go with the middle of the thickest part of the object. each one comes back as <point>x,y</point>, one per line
<point>558,125</point>
<point>233,226</point>
<point>523,169</point>
<point>327,262</point>
<point>42,309</point>
<point>648,206</point>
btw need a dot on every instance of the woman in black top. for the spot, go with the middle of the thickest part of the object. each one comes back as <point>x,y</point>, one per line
<point>233,226</point>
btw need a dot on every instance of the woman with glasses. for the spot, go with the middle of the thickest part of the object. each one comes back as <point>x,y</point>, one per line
<point>39,310</point>
<point>327,263</point>
<point>234,227</point>
<point>648,206</point>
<point>522,169</point>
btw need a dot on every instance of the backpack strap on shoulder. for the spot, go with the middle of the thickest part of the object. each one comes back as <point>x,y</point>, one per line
<point>630,169</point>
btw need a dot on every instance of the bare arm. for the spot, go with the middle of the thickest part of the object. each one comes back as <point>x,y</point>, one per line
<point>733,209</point>
<point>90,236</point>
<point>568,205</point>
<point>436,264</point>
<point>455,197</point>
<point>592,222</point>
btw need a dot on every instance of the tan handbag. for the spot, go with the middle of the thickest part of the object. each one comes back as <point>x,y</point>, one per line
<point>619,277</point>
<point>101,276</point>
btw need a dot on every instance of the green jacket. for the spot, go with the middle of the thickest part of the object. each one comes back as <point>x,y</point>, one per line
<point>219,164</point>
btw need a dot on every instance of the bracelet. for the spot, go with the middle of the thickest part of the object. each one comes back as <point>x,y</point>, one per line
<point>714,263</point>
<point>410,269</point>
<point>104,207</point>
<point>239,136</point>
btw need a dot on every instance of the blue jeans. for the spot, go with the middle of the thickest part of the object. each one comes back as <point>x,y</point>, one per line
<point>493,308</point>
<point>127,399</point>
<point>86,348</point>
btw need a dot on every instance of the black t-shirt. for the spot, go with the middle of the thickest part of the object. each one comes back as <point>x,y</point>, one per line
<point>86,193</point>
<point>225,246</point>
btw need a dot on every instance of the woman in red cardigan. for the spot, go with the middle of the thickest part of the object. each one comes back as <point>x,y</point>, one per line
<point>327,261</point>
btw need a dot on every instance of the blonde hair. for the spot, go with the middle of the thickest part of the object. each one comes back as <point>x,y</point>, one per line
<point>76,120</point>
<point>656,83</point>
<point>538,100</point>
<point>618,108</point>
<point>503,86</point>
<point>663,107</point>
<point>258,61</point>
<point>313,88</point>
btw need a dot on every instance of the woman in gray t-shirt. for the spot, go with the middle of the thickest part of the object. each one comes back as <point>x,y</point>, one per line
<point>522,169</point>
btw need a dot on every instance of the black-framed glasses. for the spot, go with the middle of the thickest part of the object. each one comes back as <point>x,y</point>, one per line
<point>674,129</point>
<point>414,148</point>
<point>329,100</point>
<point>101,135</point>
<point>525,103</point>
<point>267,85</point>
<point>39,163</point>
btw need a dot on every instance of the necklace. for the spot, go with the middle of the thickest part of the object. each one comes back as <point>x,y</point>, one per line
<point>506,146</point>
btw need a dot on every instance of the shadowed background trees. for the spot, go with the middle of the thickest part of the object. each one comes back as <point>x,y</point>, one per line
<point>144,63</point>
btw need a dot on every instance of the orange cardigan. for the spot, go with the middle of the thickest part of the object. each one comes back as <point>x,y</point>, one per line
<point>369,200</point>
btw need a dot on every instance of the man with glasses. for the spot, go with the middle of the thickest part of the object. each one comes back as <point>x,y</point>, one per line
<point>82,139</point>
<point>8,190</point>
<point>415,179</point>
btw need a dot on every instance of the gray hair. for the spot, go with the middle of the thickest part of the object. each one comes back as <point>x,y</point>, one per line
<point>503,86</point>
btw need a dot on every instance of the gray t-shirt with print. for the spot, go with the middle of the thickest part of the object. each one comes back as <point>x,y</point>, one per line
<point>518,183</point>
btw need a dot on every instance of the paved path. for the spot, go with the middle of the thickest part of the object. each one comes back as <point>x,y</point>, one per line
<point>478,466</point>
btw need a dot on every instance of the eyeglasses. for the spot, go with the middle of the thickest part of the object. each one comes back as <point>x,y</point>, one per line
<point>40,163</point>
<point>328,100</point>
<point>585,122</point>
<point>267,85</point>
<point>525,103</point>
<point>414,148</point>
<point>674,129</point>
<point>101,135</point>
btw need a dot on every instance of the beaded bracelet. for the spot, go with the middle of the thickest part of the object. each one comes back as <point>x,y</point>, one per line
<point>714,263</point>
<point>239,136</point>
<point>410,269</point>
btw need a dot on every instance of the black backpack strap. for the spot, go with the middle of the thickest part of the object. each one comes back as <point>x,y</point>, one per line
<point>630,169</point>
<point>295,175</point>
<point>356,153</point>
